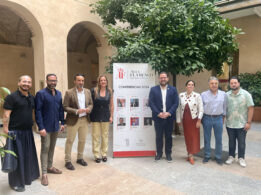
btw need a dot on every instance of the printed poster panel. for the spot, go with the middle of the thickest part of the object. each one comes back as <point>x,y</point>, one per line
<point>133,129</point>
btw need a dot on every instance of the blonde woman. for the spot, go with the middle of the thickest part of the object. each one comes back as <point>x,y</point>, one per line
<point>190,112</point>
<point>101,117</point>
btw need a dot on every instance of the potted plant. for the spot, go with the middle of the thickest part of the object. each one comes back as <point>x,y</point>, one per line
<point>3,93</point>
<point>2,150</point>
<point>252,83</point>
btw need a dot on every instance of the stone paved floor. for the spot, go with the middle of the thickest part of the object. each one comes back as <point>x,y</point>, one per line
<point>141,175</point>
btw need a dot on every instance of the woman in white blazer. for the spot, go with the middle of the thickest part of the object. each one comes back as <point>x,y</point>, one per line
<point>190,112</point>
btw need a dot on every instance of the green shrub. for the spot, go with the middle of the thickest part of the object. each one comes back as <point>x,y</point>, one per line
<point>252,83</point>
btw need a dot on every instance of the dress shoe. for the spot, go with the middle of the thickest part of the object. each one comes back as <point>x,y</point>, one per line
<point>219,161</point>
<point>81,162</point>
<point>169,158</point>
<point>44,180</point>
<point>97,160</point>
<point>158,157</point>
<point>104,159</point>
<point>205,160</point>
<point>69,166</point>
<point>18,188</point>
<point>54,170</point>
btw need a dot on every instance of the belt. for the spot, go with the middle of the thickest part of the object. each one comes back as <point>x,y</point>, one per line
<point>213,115</point>
<point>83,116</point>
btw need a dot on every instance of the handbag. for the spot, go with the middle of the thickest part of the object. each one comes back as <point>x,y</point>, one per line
<point>9,161</point>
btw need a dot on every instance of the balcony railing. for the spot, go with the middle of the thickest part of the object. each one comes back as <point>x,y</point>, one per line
<point>221,3</point>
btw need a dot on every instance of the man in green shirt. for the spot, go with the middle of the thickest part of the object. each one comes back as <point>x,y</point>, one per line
<point>240,109</point>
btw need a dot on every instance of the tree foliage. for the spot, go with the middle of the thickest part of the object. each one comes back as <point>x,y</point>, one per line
<point>179,36</point>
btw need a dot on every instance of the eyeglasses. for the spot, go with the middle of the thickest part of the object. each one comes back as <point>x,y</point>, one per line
<point>52,81</point>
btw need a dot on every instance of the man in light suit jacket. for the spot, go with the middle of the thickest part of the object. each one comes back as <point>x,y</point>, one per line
<point>78,105</point>
<point>163,101</point>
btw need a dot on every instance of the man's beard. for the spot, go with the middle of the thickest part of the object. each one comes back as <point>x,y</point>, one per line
<point>163,84</point>
<point>52,86</point>
<point>235,89</point>
<point>21,87</point>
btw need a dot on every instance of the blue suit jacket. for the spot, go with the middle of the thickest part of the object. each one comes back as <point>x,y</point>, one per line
<point>156,105</point>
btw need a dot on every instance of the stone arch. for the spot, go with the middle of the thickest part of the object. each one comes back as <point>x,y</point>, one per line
<point>36,41</point>
<point>86,51</point>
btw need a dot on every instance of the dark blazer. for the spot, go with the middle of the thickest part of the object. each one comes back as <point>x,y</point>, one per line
<point>71,105</point>
<point>156,105</point>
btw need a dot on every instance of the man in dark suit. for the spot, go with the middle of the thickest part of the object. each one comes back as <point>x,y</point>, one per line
<point>121,122</point>
<point>78,105</point>
<point>163,101</point>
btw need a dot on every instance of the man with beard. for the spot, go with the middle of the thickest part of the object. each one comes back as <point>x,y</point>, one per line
<point>214,103</point>
<point>78,105</point>
<point>17,117</point>
<point>48,113</point>
<point>163,101</point>
<point>240,109</point>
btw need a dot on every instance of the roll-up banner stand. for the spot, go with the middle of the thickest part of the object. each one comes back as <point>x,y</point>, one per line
<point>133,129</point>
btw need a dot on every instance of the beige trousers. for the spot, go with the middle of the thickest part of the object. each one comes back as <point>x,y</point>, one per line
<point>100,134</point>
<point>82,128</point>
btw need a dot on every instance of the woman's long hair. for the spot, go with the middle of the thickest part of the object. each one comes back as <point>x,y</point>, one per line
<point>98,86</point>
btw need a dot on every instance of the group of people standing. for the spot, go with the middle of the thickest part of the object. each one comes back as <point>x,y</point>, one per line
<point>212,108</point>
<point>81,105</point>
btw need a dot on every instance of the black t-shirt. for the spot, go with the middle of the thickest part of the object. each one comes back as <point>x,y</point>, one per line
<point>22,108</point>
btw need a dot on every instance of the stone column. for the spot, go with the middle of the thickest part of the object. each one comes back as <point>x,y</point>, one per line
<point>103,52</point>
<point>55,58</point>
<point>39,69</point>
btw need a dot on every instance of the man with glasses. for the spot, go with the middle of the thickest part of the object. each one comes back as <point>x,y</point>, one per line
<point>49,113</point>
<point>163,101</point>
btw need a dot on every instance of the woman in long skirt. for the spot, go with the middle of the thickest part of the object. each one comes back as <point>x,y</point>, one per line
<point>190,112</point>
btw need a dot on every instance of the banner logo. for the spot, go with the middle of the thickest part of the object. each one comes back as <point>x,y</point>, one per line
<point>121,73</point>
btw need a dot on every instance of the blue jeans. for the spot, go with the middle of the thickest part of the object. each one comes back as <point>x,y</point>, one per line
<point>216,123</point>
<point>240,136</point>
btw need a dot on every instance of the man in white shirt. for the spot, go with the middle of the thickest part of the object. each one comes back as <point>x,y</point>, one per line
<point>163,101</point>
<point>78,105</point>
